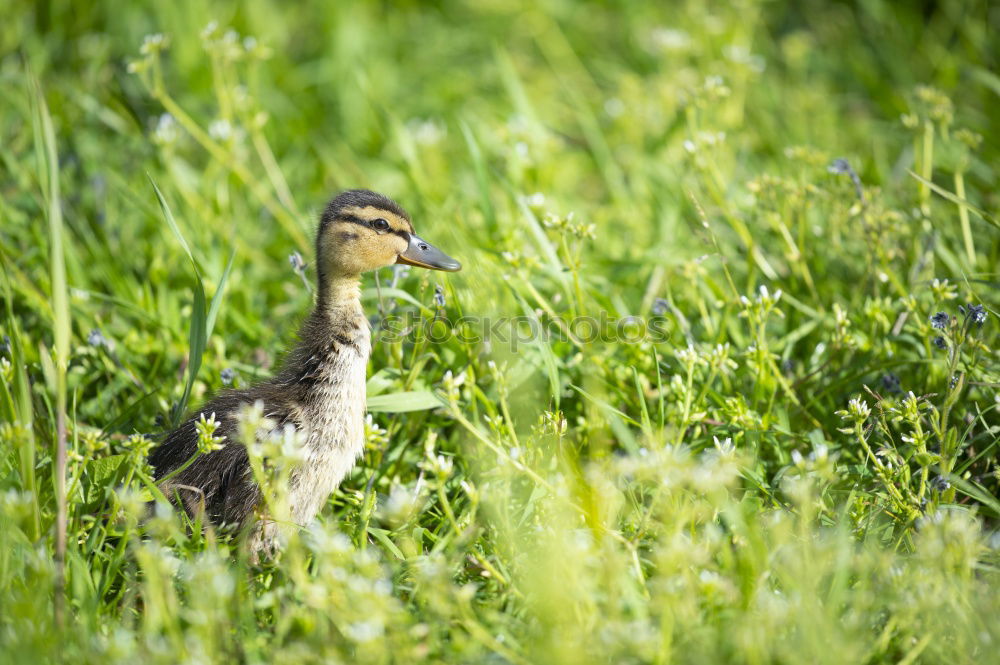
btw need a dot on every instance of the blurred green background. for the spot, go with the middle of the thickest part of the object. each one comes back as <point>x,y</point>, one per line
<point>755,488</point>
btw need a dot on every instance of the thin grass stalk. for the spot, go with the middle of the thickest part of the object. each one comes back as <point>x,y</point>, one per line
<point>963,216</point>
<point>61,327</point>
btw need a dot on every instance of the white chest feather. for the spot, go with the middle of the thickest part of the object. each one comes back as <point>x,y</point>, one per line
<point>333,424</point>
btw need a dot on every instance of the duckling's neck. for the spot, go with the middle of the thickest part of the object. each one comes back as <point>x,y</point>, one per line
<point>339,297</point>
<point>338,319</point>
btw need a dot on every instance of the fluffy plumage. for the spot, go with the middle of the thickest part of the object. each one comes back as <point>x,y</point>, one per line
<point>320,387</point>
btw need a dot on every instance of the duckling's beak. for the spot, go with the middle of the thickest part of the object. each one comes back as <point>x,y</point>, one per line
<point>422,253</point>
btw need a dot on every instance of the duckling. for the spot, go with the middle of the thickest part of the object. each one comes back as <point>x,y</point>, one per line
<point>320,387</point>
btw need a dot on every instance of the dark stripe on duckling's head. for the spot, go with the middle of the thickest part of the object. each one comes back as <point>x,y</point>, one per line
<point>352,201</point>
<point>378,224</point>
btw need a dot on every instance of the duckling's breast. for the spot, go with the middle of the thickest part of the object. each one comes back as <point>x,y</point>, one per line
<point>331,417</point>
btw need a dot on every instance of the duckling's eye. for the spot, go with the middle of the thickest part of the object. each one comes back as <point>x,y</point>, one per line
<point>380,224</point>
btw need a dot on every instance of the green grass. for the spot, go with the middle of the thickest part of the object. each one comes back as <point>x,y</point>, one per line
<point>792,472</point>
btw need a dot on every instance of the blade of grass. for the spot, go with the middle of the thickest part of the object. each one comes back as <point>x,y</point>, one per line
<point>199,315</point>
<point>482,178</point>
<point>48,163</point>
<point>515,88</point>
<point>402,402</point>
<point>957,200</point>
<point>213,309</point>
<point>647,424</point>
<point>17,406</point>
<point>539,341</point>
<point>974,490</point>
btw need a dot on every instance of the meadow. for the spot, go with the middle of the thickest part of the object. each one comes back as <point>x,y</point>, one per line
<point>718,382</point>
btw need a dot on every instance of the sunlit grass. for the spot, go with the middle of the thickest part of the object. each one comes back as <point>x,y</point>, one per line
<point>763,240</point>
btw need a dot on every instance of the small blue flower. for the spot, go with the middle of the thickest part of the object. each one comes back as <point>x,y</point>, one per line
<point>96,339</point>
<point>841,166</point>
<point>5,345</point>
<point>660,307</point>
<point>940,483</point>
<point>439,296</point>
<point>976,314</point>
<point>940,321</point>
<point>297,263</point>
<point>890,382</point>
<point>400,271</point>
<point>227,375</point>
<point>299,268</point>
<point>940,342</point>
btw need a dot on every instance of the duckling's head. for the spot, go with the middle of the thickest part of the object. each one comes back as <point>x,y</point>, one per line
<point>362,230</point>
